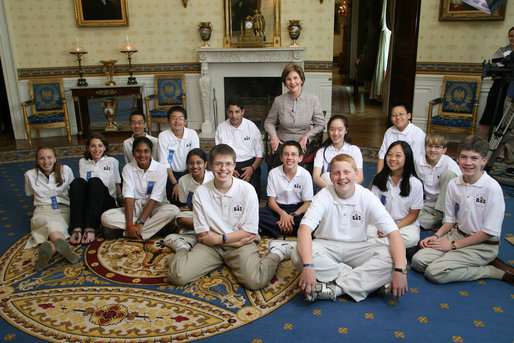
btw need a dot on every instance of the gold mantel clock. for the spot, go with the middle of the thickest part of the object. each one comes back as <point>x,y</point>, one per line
<point>247,38</point>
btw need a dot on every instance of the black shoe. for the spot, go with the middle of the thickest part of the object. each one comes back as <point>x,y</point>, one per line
<point>112,233</point>
<point>509,172</point>
<point>412,251</point>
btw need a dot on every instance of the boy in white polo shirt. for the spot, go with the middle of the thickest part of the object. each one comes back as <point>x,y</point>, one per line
<point>402,130</point>
<point>290,193</point>
<point>225,212</point>
<point>245,138</point>
<point>339,260</point>
<point>137,123</point>
<point>435,169</point>
<point>466,245</point>
<point>174,145</point>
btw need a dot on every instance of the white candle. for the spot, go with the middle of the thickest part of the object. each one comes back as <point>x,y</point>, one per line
<point>128,43</point>
<point>77,40</point>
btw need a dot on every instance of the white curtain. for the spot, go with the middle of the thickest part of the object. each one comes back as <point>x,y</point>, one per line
<point>383,53</point>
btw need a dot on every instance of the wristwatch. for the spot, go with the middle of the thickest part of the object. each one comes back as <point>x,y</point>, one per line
<point>294,214</point>
<point>140,221</point>
<point>401,270</point>
<point>454,247</point>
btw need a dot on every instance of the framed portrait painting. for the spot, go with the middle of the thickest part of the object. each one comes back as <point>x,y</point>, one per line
<point>456,10</point>
<point>101,12</point>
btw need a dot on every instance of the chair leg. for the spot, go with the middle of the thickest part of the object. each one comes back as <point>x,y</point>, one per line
<point>29,137</point>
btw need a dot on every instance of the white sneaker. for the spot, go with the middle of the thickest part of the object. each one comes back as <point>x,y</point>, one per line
<point>282,248</point>
<point>175,241</point>
<point>323,291</point>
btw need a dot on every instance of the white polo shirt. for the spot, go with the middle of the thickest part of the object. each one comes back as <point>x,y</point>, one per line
<point>187,185</point>
<point>347,219</point>
<point>411,134</point>
<point>238,209</point>
<point>398,206</point>
<point>246,140</point>
<point>107,169</point>
<point>430,176</point>
<point>128,143</point>
<point>286,192</point>
<point>173,151</point>
<point>330,152</point>
<point>43,188</point>
<point>476,207</point>
<point>138,184</point>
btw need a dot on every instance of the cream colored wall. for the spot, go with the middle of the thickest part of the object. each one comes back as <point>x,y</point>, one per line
<point>44,31</point>
<point>459,41</point>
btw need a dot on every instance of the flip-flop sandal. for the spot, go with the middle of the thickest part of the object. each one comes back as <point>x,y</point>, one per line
<point>45,254</point>
<point>76,234</point>
<point>86,234</point>
<point>63,248</point>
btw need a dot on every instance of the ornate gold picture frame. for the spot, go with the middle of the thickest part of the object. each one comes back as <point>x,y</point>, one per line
<point>101,12</point>
<point>456,10</point>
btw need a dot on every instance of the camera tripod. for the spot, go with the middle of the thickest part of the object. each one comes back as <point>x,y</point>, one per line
<point>498,135</point>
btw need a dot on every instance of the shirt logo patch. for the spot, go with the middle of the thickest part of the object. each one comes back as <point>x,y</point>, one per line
<point>480,200</point>
<point>189,144</point>
<point>237,209</point>
<point>247,138</point>
<point>297,185</point>
<point>356,217</point>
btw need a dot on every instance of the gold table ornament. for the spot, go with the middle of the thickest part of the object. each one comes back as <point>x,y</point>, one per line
<point>109,71</point>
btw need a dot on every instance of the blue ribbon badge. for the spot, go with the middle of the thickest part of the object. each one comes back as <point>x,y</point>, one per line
<point>383,199</point>
<point>170,156</point>
<point>189,200</point>
<point>55,204</point>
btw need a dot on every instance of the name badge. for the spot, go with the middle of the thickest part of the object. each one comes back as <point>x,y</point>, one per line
<point>383,199</point>
<point>149,188</point>
<point>90,168</point>
<point>55,204</point>
<point>151,177</point>
<point>170,155</point>
<point>457,208</point>
<point>328,167</point>
<point>189,200</point>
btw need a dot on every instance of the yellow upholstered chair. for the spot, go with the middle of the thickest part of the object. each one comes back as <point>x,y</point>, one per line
<point>458,105</point>
<point>169,91</point>
<point>48,107</point>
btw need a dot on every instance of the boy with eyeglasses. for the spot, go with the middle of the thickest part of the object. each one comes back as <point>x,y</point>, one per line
<point>402,130</point>
<point>245,138</point>
<point>289,192</point>
<point>435,169</point>
<point>225,214</point>
<point>137,123</point>
<point>174,145</point>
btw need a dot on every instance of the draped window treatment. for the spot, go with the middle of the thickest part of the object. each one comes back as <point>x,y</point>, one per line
<point>382,56</point>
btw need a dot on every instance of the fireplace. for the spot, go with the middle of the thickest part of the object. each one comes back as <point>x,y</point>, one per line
<point>256,93</point>
<point>219,65</point>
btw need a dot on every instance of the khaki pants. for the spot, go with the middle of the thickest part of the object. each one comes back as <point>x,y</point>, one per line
<point>161,216</point>
<point>464,264</point>
<point>250,270</point>
<point>358,268</point>
<point>410,235</point>
<point>432,214</point>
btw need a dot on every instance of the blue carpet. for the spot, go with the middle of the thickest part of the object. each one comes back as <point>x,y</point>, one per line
<point>480,311</point>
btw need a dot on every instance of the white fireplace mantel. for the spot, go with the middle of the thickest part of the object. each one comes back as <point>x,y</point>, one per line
<point>236,62</point>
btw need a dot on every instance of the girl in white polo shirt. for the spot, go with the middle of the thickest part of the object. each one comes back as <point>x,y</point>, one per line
<point>95,191</point>
<point>187,184</point>
<point>48,185</point>
<point>401,192</point>
<point>338,142</point>
<point>146,210</point>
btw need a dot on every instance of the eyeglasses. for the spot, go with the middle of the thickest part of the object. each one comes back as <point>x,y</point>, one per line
<point>438,147</point>
<point>398,115</point>
<point>218,165</point>
<point>138,122</point>
<point>177,118</point>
